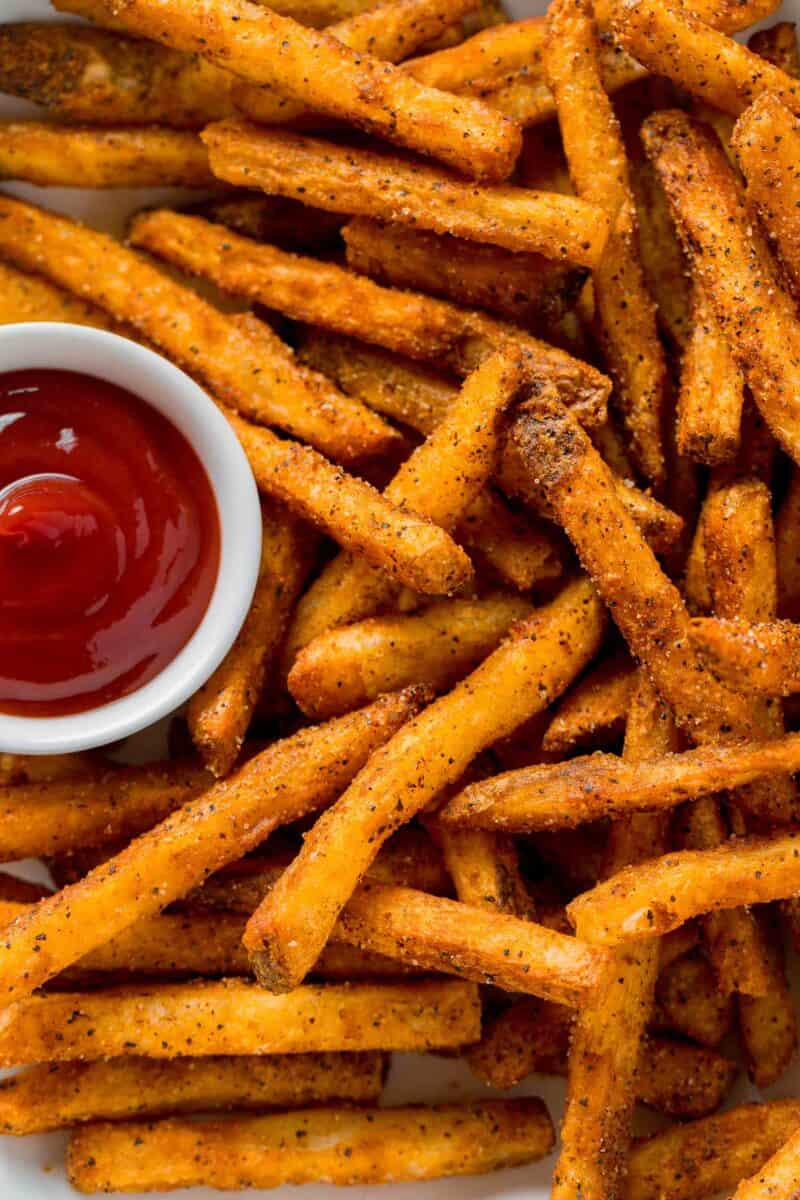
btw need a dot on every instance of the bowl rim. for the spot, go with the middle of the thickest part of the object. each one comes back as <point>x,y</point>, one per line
<point>173,393</point>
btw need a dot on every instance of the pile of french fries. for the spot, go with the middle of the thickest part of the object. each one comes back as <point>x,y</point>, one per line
<point>502,764</point>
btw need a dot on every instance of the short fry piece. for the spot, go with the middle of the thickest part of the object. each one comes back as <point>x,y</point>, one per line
<point>341,1146</point>
<point>777,1178</point>
<point>54,1097</point>
<point>711,393</point>
<point>594,711</point>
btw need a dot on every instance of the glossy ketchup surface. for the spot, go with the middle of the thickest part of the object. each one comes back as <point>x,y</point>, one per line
<point>109,542</point>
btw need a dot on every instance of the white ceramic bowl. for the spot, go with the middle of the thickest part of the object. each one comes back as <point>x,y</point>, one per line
<point>186,405</point>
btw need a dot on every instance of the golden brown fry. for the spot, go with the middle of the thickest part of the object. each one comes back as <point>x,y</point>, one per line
<point>512,546</point>
<point>764,658</point>
<point>316,13</point>
<point>711,391</point>
<point>333,1145</point>
<point>233,1016</point>
<point>264,48</point>
<point>654,897</point>
<point>485,869</point>
<point>778,45</point>
<point>485,58</point>
<point>54,1097</point>
<point>248,367</point>
<point>363,182</point>
<point>662,257</point>
<point>42,768</point>
<point>768,1023</point>
<point>281,784</point>
<point>28,298</point>
<point>219,713</point>
<point>80,156</point>
<point>521,677</point>
<point>777,1178</point>
<point>697,1161</point>
<point>594,712</point>
<point>599,170</point>
<point>346,667</point>
<point>689,1002</point>
<point>272,219</point>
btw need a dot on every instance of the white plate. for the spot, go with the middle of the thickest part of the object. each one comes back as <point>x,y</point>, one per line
<point>32,1168</point>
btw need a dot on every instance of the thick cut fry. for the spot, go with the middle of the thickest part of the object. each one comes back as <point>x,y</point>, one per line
<point>594,712</point>
<point>363,182</point>
<point>28,298</point>
<point>329,1145</point>
<point>262,47</point>
<point>768,1023</point>
<point>527,288</point>
<point>67,156</point>
<point>249,367</point>
<point>219,713</point>
<point>347,667</point>
<point>521,677</point>
<point>56,816</point>
<point>272,219</point>
<point>279,785</point>
<point>778,45</point>
<point>55,1097</point>
<point>650,899</point>
<point>236,1017</point>
<point>325,294</point>
<point>778,1178</point>
<point>764,658</point>
<point>598,166</point>
<point>83,74</point>
<point>766,141</point>
<point>697,1161</point>
<point>711,393</point>
<point>689,1002</point>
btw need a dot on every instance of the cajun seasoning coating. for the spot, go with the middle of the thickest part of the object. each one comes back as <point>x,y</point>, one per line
<point>711,394</point>
<point>594,712</point>
<point>760,657</point>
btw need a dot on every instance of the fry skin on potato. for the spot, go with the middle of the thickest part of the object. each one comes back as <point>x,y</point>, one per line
<point>518,680</point>
<point>69,156</point>
<point>592,713</point>
<point>364,182</point>
<point>711,392</point>
<point>324,1145</point>
<point>764,658</point>
<point>55,1097</point>
<point>234,1016</point>
<point>263,47</point>
<point>281,784</point>
<point>777,1178</point>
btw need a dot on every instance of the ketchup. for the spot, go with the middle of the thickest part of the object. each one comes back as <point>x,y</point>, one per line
<point>109,542</point>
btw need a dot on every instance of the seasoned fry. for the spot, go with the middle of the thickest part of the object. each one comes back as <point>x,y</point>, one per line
<point>764,658</point>
<point>27,298</point>
<point>768,1023</point>
<point>711,392</point>
<point>511,546</point>
<point>281,784</point>
<point>233,1016</point>
<point>485,869</point>
<point>68,156</point>
<point>366,183</point>
<point>485,58</point>
<point>56,1097</point>
<point>291,224</point>
<point>264,48</point>
<point>650,899</point>
<point>518,680</point>
<point>333,1145</point>
<point>689,1002</point>
<point>349,666</point>
<point>777,1178</point>
<point>527,288</point>
<point>247,366</point>
<point>662,257</point>
<point>778,45</point>
<point>219,713</point>
<point>697,1161</point>
<point>599,170</point>
<point>594,711</point>
<point>42,768</point>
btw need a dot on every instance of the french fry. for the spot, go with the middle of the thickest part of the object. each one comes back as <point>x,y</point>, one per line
<point>485,870</point>
<point>291,224</point>
<point>56,816</point>
<point>778,45</point>
<point>762,657</point>
<point>219,713</point>
<point>315,13</point>
<point>325,294</point>
<point>486,58</point>
<point>345,667</point>
<point>689,1002</point>
<point>28,298</point>
<point>249,368</point>
<point>233,1016</point>
<point>55,1097</point>
<point>663,261</point>
<point>592,713</point>
<point>765,141</point>
<point>698,1160</point>
<point>768,1023</point>
<point>367,183</point>
<point>777,1178</point>
<point>43,768</point>
<point>654,897</point>
<point>263,47</point>
<point>281,784</point>
<point>333,1145</point>
<point>80,156</point>
<point>518,680</point>
<point>598,166</point>
<point>711,392</point>
<point>527,288</point>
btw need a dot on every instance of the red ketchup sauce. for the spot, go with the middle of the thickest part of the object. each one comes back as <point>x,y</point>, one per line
<point>109,542</point>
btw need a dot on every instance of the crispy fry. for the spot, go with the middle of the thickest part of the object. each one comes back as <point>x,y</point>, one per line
<point>27,298</point>
<point>696,1161</point>
<point>485,58</point>
<point>291,224</point>
<point>219,713</point>
<point>518,680</point>
<point>512,546</point>
<point>264,48</point>
<point>233,1016</point>
<point>333,1145</point>
<point>663,261</point>
<point>764,658</point>
<point>689,1002</point>
<point>778,45</point>
<point>485,869</point>
<point>80,156</point>
<point>42,768</point>
<point>281,784</point>
<point>598,166</point>
<point>650,899</point>
<point>367,183</point>
<point>594,711</point>
<point>249,367</point>
<point>768,1023</point>
<point>777,1178</point>
<point>316,13</point>
<point>346,667</point>
<point>711,393</point>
